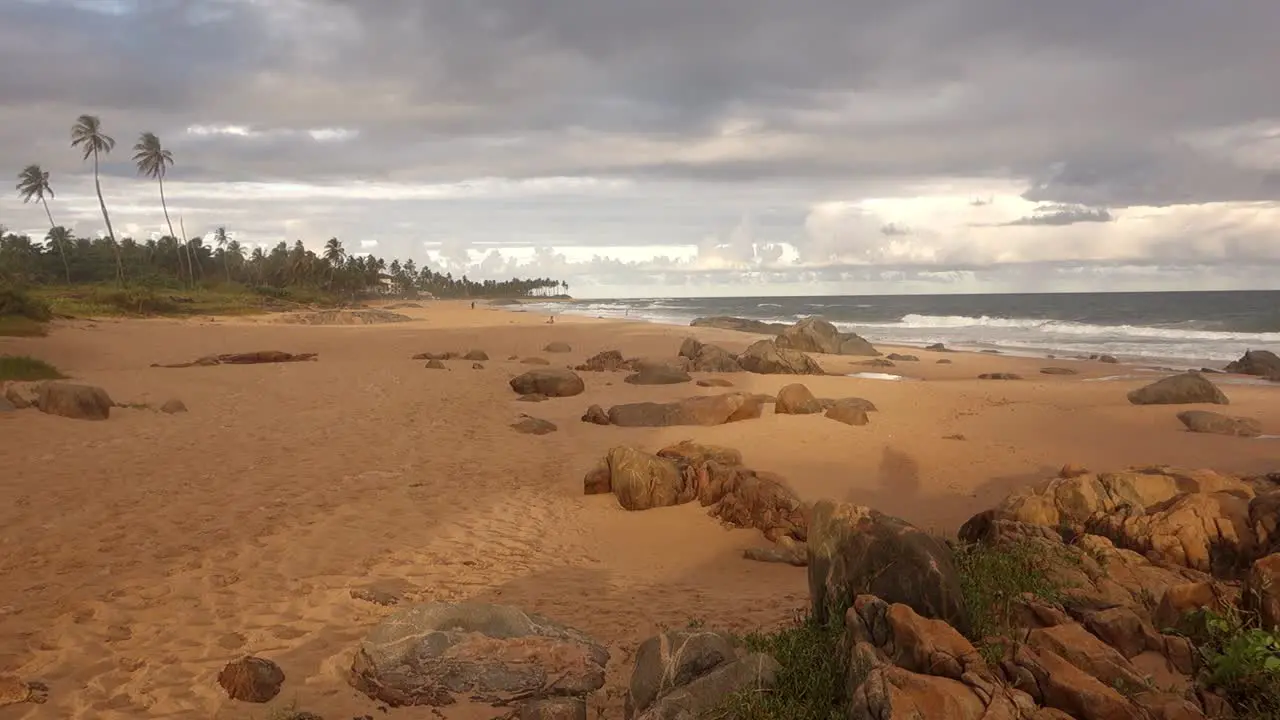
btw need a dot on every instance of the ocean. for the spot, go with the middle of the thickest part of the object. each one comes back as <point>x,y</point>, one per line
<point>1172,327</point>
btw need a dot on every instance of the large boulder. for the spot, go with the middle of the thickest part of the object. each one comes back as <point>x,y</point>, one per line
<point>850,411</point>
<point>855,550</point>
<point>439,653</point>
<point>605,361</point>
<point>686,674</point>
<point>714,476</point>
<point>1262,363</point>
<point>816,335</point>
<point>1184,389</point>
<point>767,358</point>
<point>739,324</point>
<point>251,679</point>
<point>550,382</point>
<point>795,399</point>
<point>658,374</point>
<point>702,410</point>
<point>708,358</point>
<point>78,402</point>
<point>1204,421</point>
<point>1262,591</point>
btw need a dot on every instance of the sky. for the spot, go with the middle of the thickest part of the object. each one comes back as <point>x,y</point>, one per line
<point>640,148</point>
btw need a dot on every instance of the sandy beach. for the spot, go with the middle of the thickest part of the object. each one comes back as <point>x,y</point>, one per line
<point>141,554</point>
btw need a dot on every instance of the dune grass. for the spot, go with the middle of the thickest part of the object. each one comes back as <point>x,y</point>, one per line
<point>22,368</point>
<point>21,314</point>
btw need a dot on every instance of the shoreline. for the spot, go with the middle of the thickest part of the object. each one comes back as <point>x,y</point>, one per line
<point>255,522</point>
<point>1156,364</point>
<point>867,330</point>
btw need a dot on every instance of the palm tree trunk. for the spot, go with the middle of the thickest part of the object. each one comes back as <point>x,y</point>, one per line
<point>165,206</point>
<point>97,184</point>
<point>61,250</point>
<point>226,264</point>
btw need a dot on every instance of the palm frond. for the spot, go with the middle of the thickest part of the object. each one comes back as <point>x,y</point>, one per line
<point>87,135</point>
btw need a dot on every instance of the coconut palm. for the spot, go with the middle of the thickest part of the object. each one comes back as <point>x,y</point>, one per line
<point>87,135</point>
<point>153,161</point>
<point>220,239</point>
<point>33,184</point>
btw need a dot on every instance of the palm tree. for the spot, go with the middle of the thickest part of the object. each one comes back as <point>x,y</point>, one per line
<point>220,239</point>
<point>87,135</point>
<point>153,161</point>
<point>333,254</point>
<point>33,184</point>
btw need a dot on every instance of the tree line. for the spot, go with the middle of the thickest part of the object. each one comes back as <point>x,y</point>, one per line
<point>178,260</point>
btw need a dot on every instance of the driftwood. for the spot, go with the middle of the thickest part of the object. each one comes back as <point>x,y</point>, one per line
<point>251,358</point>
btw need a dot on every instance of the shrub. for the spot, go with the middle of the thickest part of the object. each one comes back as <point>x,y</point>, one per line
<point>993,577</point>
<point>813,681</point>
<point>27,369</point>
<point>1238,659</point>
<point>16,303</point>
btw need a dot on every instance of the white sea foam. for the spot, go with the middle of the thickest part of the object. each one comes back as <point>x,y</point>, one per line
<point>1012,335</point>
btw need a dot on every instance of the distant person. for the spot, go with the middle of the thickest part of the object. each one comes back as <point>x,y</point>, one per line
<point>551,320</point>
<point>473,304</point>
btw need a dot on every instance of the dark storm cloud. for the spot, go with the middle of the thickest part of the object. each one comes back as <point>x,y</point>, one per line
<point>1057,215</point>
<point>1090,101</point>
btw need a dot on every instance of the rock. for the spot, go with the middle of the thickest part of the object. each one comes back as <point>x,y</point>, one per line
<point>550,382</point>
<point>1204,421</point>
<point>436,356</point>
<point>16,691</point>
<point>714,382</point>
<point>383,592</point>
<point>999,376</point>
<point>476,355</point>
<point>1181,389</point>
<point>1058,371</point>
<point>651,374</point>
<point>16,398</point>
<point>786,552</point>
<point>434,653</point>
<point>766,358</point>
<point>686,674</point>
<point>173,406</point>
<point>435,365</point>
<point>855,551</point>
<point>557,347</point>
<point>1177,601</point>
<point>532,397</point>
<point>607,361</point>
<point>680,473</point>
<point>79,402</point>
<point>1262,363</point>
<point>1262,591</point>
<point>596,415</point>
<point>708,358</point>
<point>902,358</point>
<point>529,425</point>
<point>944,361</point>
<point>1107,359</point>
<point>1060,685</point>
<point>816,335</point>
<point>1072,470</point>
<point>251,679</point>
<point>739,324</point>
<point>878,362</point>
<point>850,411</point>
<point>1123,629</point>
<point>703,410</point>
<point>477,366</point>
<point>1197,520</point>
<point>938,347</point>
<point>250,358</point>
<point>1073,643</point>
<point>535,361</point>
<point>795,399</point>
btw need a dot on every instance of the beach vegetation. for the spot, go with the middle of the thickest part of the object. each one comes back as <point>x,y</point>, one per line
<point>21,368</point>
<point>173,273</point>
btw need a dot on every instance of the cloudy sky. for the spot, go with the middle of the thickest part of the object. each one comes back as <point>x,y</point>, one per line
<point>668,147</point>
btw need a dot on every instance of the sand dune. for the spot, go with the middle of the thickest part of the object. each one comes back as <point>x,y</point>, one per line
<point>140,554</point>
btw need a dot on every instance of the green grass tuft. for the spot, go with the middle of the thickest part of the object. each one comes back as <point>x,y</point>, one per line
<point>993,577</point>
<point>27,369</point>
<point>18,326</point>
<point>813,681</point>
